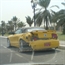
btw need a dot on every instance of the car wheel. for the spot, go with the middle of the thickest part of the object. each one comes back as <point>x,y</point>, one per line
<point>8,43</point>
<point>21,46</point>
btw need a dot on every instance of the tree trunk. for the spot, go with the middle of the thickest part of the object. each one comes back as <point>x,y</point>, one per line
<point>46,23</point>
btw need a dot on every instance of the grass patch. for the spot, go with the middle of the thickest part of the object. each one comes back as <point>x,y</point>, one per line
<point>4,34</point>
<point>61,36</point>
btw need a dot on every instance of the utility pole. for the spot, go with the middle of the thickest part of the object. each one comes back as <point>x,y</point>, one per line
<point>34,4</point>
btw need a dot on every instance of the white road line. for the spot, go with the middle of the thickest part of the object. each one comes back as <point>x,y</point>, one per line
<point>11,50</point>
<point>22,57</point>
<point>32,55</point>
<point>4,46</point>
<point>11,57</point>
<point>19,55</point>
<point>7,48</point>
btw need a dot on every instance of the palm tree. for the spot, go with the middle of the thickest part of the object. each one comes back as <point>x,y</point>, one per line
<point>14,19</point>
<point>29,20</point>
<point>0,29</point>
<point>38,19</point>
<point>60,17</point>
<point>3,23</point>
<point>45,14</point>
<point>21,24</point>
<point>10,24</point>
<point>3,27</point>
<point>64,11</point>
<point>7,27</point>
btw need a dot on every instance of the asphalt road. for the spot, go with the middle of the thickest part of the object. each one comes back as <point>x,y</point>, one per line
<point>11,55</point>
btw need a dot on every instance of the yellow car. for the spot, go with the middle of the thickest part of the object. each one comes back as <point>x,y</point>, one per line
<point>33,38</point>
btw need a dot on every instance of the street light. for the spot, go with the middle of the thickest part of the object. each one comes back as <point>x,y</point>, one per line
<point>34,4</point>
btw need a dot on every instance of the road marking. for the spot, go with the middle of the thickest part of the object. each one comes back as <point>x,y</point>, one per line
<point>32,55</point>
<point>7,48</point>
<point>19,55</point>
<point>22,56</point>
<point>11,50</point>
<point>11,57</point>
<point>4,46</point>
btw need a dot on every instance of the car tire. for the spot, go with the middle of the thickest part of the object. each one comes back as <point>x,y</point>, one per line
<point>21,46</point>
<point>8,43</point>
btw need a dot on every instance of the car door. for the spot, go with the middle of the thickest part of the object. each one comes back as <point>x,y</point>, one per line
<point>15,38</point>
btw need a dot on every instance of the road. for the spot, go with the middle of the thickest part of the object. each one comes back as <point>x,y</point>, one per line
<point>11,55</point>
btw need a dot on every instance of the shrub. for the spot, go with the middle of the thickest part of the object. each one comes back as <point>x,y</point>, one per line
<point>64,29</point>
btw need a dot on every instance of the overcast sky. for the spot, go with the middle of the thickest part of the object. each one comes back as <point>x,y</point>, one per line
<point>20,9</point>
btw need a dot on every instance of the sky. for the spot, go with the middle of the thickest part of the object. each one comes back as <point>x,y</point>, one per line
<point>21,9</point>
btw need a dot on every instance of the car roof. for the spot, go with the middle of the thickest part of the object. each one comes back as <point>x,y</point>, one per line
<point>30,27</point>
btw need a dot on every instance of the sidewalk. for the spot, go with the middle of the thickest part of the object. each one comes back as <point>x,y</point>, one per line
<point>62,45</point>
<point>3,37</point>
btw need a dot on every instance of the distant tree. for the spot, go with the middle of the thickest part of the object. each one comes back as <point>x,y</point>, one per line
<point>64,29</point>
<point>0,29</point>
<point>14,19</point>
<point>21,24</point>
<point>29,20</point>
<point>10,25</point>
<point>3,29</point>
<point>7,28</point>
<point>3,24</point>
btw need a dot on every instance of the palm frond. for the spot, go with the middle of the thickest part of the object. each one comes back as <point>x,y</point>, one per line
<point>63,4</point>
<point>29,20</point>
<point>44,3</point>
<point>55,6</point>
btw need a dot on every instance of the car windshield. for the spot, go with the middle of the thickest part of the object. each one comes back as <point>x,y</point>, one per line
<point>18,31</point>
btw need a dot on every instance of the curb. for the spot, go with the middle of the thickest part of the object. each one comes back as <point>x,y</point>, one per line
<point>62,47</point>
<point>3,37</point>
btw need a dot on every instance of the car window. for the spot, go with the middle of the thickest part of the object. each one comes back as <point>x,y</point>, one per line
<point>18,31</point>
